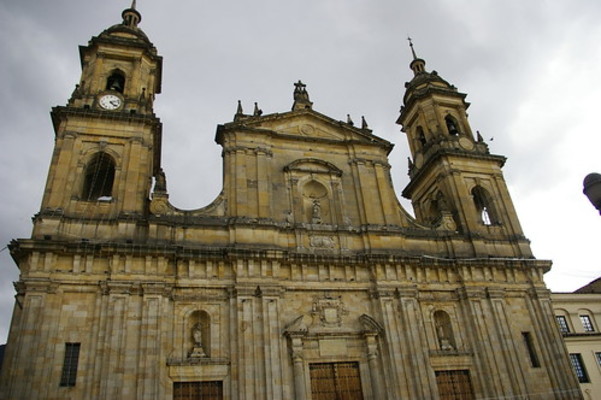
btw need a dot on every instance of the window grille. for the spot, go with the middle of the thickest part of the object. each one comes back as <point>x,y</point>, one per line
<point>563,324</point>
<point>579,368</point>
<point>69,374</point>
<point>587,324</point>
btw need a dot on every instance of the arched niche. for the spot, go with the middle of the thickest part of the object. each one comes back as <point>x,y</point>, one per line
<point>315,192</point>
<point>444,331</point>
<point>198,338</point>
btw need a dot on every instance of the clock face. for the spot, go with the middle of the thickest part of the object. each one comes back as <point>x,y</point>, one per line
<point>110,102</point>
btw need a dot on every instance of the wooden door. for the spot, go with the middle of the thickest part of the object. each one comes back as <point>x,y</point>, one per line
<point>198,390</point>
<point>335,381</point>
<point>454,385</point>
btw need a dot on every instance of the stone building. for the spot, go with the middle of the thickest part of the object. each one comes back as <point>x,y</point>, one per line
<point>578,316</point>
<point>304,279</point>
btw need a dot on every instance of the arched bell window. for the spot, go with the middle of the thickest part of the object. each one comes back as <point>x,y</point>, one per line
<point>116,81</point>
<point>99,178</point>
<point>484,206</point>
<point>452,125</point>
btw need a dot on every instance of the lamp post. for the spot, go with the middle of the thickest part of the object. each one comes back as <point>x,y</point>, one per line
<point>592,189</point>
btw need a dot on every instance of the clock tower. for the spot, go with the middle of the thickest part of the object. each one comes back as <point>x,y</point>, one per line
<point>107,139</point>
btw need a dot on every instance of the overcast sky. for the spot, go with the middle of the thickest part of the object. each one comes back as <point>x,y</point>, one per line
<point>531,69</point>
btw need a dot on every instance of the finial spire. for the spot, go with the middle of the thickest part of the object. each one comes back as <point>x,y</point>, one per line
<point>133,4</point>
<point>417,65</point>
<point>412,49</point>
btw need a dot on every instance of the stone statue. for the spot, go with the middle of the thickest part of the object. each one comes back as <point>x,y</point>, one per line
<point>444,340</point>
<point>197,334</point>
<point>160,182</point>
<point>316,212</point>
<point>301,97</point>
<point>197,350</point>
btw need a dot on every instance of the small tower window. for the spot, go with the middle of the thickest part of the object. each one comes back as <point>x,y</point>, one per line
<point>484,206</point>
<point>452,125</point>
<point>116,81</point>
<point>420,136</point>
<point>99,177</point>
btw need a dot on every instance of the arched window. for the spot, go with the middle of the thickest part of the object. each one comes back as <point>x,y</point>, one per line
<point>484,206</point>
<point>452,125</point>
<point>444,331</point>
<point>116,81</point>
<point>99,177</point>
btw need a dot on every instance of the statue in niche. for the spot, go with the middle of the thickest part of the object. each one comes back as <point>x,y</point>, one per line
<point>445,343</point>
<point>197,350</point>
<point>289,217</point>
<point>160,182</point>
<point>444,331</point>
<point>316,212</point>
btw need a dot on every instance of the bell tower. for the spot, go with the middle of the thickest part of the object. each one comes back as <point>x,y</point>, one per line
<point>107,138</point>
<point>455,183</point>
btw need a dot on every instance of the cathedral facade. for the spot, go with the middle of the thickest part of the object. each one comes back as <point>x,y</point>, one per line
<point>305,278</point>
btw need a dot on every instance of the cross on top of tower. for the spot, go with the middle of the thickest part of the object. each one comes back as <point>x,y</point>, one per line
<point>412,49</point>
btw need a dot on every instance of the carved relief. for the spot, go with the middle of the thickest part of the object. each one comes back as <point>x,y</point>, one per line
<point>322,242</point>
<point>328,311</point>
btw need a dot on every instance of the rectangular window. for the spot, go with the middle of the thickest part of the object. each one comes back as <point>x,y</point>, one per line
<point>598,357</point>
<point>335,381</point>
<point>531,350</point>
<point>579,368</point>
<point>587,324</point>
<point>563,324</point>
<point>454,385</point>
<point>69,374</point>
<point>210,390</point>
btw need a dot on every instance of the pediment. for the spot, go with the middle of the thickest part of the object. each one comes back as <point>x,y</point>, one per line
<point>310,124</point>
<point>312,166</point>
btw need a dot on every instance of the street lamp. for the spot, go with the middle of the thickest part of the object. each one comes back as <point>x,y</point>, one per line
<point>592,189</point>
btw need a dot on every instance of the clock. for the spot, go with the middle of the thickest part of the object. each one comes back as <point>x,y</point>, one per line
<point>110,102</point>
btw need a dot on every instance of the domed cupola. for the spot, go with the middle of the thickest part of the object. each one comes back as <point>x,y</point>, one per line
<point>425,83</point>
<point>128,29</point>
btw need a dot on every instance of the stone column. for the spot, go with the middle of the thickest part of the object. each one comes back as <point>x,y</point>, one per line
<point>412,327</point>
<point>374,366</point>
<point>470,300</point>
<point>298,365</point>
